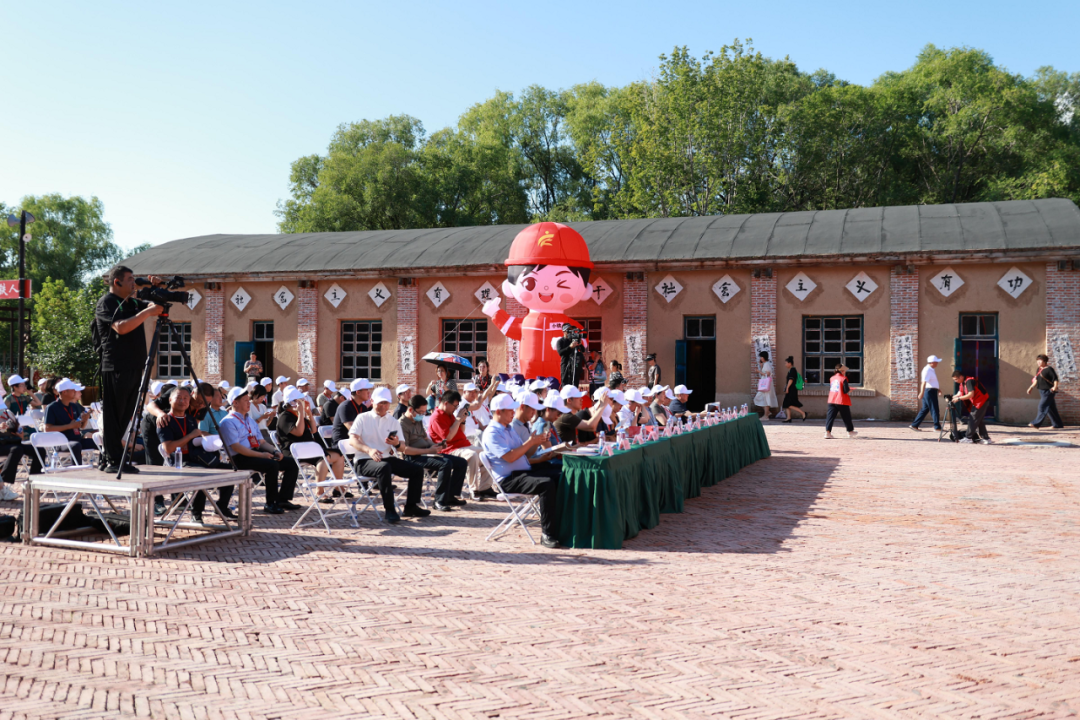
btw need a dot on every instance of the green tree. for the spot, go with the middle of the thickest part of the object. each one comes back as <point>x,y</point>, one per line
<point>60,327</point>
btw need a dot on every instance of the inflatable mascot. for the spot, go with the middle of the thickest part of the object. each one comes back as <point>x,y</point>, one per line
<point>547,272</point>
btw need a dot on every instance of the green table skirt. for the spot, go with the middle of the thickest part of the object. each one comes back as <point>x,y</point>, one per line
<point>605,500</point>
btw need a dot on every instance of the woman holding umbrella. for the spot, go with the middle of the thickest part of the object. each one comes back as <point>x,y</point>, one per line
<point>443,362</point>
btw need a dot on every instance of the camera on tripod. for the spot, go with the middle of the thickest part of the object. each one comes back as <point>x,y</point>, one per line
<point>149,292</point>
<point>575,333</point>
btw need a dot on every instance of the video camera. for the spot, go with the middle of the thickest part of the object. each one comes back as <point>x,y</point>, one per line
<point>149,292</point>
<point>575,333</point>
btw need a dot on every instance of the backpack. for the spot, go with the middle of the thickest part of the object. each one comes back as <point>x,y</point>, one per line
<point>798,380</point>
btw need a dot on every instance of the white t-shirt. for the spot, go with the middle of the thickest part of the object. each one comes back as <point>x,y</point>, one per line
<point>373,430</point>
<point>930,377</point>
<point>278,397</point>
<point>256,412</point>
<point>477,421</point>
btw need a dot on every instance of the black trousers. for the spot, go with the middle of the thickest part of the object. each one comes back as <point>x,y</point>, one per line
<point>270,470</point>
<point>542,480</point>
<point>13,456</point>
<point>976,427</point>
<point>1048,408</point>
<point>385,470</point>
<point>929,407</point>
<point>119,394</point>
<point>844,411</point>
<point>451,470</point>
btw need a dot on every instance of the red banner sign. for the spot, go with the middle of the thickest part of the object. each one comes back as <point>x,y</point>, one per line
<point>9,289</point>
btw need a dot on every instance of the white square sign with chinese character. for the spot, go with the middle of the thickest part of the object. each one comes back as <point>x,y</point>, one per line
<point>861,286</point>
<point>438,294</point>
<point>379,294</point>
<point>947,281</point>
<point>801,286</point>
<point>240,299</point>
<point>283,297</point>
<point>486,293</point>
<point>669,288</point>
<point>335,294</point>
<point>1014,282</point>
<point>725,288</point>
<point>193,298</point>
<point>600,291</point>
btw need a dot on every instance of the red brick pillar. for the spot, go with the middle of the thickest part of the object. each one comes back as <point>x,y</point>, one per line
<point>408,330</point>
<point>1063,328</point>
<point>635,327</point>
<point>214,309</point>
<point>307,321</point>
<point>763,323</point>
<point>513,347</point>
<point>904,322</point>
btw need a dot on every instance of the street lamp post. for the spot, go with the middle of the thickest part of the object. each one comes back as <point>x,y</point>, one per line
<point>23,220</point>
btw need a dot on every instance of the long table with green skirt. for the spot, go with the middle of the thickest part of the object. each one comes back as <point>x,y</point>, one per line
<point>605,500</point>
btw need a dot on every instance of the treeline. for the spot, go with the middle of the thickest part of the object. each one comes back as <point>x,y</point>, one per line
<point>731,132</point>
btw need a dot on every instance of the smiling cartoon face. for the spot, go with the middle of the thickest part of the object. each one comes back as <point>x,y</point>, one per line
<point>548,288</point>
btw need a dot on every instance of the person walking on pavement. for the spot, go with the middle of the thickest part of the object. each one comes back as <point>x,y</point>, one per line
<point>976,400</point>
<point>839,403</point>
<point>928,394</point>
<point>791,402</point>
<point>766,395</point>
<point>1046,382</point>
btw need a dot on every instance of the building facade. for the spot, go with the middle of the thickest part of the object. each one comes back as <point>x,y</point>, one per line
<point>986,286</point>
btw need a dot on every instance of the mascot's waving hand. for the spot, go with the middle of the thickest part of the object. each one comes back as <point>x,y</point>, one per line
<point>547,272</point>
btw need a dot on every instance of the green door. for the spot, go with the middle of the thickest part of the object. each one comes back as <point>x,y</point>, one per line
<point>241,353</point>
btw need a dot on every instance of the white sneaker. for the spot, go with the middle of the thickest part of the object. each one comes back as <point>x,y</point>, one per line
<point>8,494</point>
<point>967,440</point>
<point>852,434</point>
<point>986,442</point>
<point>828,436</point>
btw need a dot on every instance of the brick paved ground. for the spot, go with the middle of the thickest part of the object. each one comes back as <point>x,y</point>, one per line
<point>884,577</point>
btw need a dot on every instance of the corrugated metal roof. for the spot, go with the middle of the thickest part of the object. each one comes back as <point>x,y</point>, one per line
<point>1001,226</point>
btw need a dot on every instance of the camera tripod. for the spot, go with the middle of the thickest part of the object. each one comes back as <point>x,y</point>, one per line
<point>163,321</point>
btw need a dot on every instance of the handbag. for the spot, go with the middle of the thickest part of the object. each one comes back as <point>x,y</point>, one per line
<point>798,381</point>
<point>764,384</point>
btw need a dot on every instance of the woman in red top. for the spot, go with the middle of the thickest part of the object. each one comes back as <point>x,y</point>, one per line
<point>839,403</point>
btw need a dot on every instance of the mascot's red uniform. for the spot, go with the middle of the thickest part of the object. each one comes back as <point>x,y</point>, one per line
<point>547,272</point>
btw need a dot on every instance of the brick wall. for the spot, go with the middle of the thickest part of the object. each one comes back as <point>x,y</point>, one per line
<point>762,322</point>
<point>1063,317</point>
<point>513,307</point>
<point>635,327</point>
<point>214,309</point>
<point>408,332</point>
<point>904,320</point>
<point>307,346</point>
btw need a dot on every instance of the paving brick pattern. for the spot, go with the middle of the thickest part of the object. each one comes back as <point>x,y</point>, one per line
<point>885,577</point>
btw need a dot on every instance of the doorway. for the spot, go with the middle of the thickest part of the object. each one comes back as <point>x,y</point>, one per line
<point>263,337</point>
<point>695,360</point>
<point>976,353</point>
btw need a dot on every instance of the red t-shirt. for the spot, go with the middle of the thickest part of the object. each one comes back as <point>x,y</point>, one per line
<point>440,425</point>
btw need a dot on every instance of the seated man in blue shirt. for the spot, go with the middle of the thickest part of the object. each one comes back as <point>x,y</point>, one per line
<point>69,417</point>
<point>179,432</point>
<point>507,456</point>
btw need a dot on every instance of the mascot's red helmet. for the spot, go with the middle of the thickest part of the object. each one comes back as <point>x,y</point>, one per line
<point>549,243</point>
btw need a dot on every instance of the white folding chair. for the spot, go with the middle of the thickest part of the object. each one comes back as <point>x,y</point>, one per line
<point>524,509</point>
<point>309,485</point>
<point>326,434</point>
<point>45,441</point>
<point>365,485</point>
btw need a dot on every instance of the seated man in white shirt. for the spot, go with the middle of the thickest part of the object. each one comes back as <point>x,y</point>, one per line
<point>507,456</point>
<point>479,415</point>
<point>375,435</point>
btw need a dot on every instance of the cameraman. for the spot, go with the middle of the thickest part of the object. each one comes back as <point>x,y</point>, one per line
<point>572,353</point>
<point>121,343</point>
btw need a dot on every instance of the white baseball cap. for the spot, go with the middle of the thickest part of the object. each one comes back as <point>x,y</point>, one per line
<point>330,385</point>
<point>600,394</point>
<point>224,385</point>
<point>42,381</point>
<point>933,358</point>
<point>402,388</point>
<point>617,396</point>
<point>302,382</point>
<point>187,383</point>
<point>381,395</point>
<point>267,382</point>
<point>538,385</point>
<point>155,387</point>
<point>504,402</point>
<point>237,392</point>
<point>360,384</point>
<point>16,379</point>
<point>501,387</point>
<point>530,400</point>
<point>281,379</point>
<point>555,401</point>
<point>345,393</point>
<point>64,384</point>
<point>682,390</point>
<point>669,395</point>
<point>469,387</point>
<point>293,394</point>
<point>569,391</point>
<point>647,392</point>
<point>634,396</point>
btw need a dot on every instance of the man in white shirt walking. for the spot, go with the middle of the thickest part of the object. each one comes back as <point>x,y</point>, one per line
<point>928,394</point>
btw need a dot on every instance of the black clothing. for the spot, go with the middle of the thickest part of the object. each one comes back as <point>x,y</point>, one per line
<point>1048,408</point>
<point>400,410</point>
<point>120,389</point>
<point>539,480</point>
<point>13,455</point>
<point>270,470</point>
<point>976,426</point>
<point>119,352</point>
<point>327,411</point>
<point>677,407</point>
<point>791,397</point>
<point>346,413</point>
<point>287,421</point>
<point>384,471</point>
<point>845,414</point>
<point>1046,378</point>
<point>451,470</point>
<point>653,376</point>
<point>572,361</point>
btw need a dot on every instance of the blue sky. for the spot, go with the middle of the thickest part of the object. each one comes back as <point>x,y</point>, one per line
<point>184,118</point>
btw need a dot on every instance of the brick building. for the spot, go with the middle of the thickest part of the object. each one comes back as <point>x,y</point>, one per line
<point>984,285</point>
